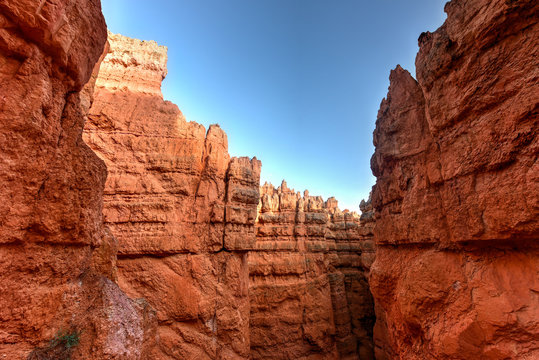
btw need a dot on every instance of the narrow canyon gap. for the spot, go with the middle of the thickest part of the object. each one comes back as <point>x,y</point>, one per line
<point>180,253</point>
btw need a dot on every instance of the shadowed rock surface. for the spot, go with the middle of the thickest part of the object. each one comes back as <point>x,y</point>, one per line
<point>308,287</point>
<point>457,192</point>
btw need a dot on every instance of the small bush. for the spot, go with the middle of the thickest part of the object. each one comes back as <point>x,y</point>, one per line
<point>65,338</point>
<point>60,346</point>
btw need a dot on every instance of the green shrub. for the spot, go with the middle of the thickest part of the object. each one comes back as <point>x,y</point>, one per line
<point>68,339</point>
<point>60,346</point>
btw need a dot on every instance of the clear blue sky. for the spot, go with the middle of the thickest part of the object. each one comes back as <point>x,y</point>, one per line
<point>296,83</point>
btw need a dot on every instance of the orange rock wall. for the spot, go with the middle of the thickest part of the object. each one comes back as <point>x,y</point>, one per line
<point>182,210</point>
<point>457,191</point>
<point>229,275</point>
<point>57,260</point>
<point>308,288</point>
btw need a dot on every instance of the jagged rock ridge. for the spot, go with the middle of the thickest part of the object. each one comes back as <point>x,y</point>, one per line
<point>183,210</point>
<point>308,289</point>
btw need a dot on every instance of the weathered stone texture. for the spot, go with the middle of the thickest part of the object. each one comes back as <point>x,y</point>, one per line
<point>229,275</point>
<point>457,192</point>
<point>56,257</point>
<point>134,65</point>
<point>308,290</point>
<point>183,210</point>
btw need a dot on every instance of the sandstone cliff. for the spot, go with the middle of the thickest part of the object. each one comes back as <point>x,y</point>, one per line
<point>457,192</point>
<point>56,257</point>
<point>182,210</point>
<point>229,274</point>
<point>308,288</point>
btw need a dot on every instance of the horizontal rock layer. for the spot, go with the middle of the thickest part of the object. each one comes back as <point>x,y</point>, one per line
<point>308,290</point>
<point>182,210</point>
<point>457,191</point>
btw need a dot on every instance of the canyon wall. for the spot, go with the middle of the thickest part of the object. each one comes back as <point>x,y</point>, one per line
<point>230,273</point>
<point>182,210</point>
<point>456,200</point>
<point>56,257</point>
<point>309,294</point>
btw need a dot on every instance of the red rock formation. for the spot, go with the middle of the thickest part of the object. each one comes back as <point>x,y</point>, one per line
<point>185,216</point>
<point>183,211</point>
<point>308,290</point>
<point>457,192</point>
<point>57,259</point>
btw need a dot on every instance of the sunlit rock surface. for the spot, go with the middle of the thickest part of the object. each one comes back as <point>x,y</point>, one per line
<point>182,209</point>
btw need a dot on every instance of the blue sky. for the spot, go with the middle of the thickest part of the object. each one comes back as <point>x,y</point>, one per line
<point>296,83</point>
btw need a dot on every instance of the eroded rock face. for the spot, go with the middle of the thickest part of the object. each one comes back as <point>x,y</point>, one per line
<point>308,290</point>
<point>457,192</point>
<point>229,274</point>
<point>137,66</point>
<point>56,257</point>
<point>182,210</point>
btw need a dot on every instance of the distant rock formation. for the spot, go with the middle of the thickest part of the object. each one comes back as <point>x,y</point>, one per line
<point>57,260</point>
<point>133,65</point>
<point>308,289</point>
<point>457,192</point>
